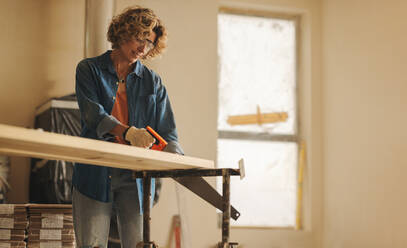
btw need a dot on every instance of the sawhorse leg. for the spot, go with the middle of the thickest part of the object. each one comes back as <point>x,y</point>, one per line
<point>147,243</point>
<point>226,212</point>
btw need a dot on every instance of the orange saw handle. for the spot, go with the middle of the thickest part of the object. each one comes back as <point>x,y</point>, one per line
<point>160,143</point>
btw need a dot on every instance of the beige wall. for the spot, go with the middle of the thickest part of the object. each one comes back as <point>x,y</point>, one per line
<point>41,42</point>
<point>364,124</point>
<point>43,45</point>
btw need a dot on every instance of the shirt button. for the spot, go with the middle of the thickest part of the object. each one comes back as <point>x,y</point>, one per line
<point>114,98</point>
<point>110,177</point>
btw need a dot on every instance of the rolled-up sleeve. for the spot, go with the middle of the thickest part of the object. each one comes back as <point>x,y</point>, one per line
<point>92,112</point>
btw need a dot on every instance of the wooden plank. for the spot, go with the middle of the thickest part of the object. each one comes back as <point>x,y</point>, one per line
<point>18,141</point>
<point>257,118</point>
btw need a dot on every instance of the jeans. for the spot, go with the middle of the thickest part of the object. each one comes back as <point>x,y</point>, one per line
<point>92,218</point>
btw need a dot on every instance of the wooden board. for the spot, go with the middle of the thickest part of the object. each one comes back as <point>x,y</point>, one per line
<point>257,118</point>
<point>18,141</point>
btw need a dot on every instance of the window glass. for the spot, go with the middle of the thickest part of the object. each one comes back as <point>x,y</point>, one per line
<point>256,68</point>
<point>267,195</point>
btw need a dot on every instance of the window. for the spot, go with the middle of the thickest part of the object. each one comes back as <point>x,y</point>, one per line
<point>257,76</point>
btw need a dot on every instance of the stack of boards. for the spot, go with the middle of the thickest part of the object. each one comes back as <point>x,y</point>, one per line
<point>36,226</point>
<point>13,225</point>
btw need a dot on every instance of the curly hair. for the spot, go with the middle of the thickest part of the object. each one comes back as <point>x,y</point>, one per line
<point>137,23</point>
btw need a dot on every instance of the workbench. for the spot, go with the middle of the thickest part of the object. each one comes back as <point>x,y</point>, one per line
<point>147,164</point>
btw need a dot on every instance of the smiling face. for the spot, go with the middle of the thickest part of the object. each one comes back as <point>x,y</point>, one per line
<point>137,22</point>
<point>136,49</point>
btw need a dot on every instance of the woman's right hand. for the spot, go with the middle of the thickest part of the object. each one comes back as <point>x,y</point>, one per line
<point>139,137</point>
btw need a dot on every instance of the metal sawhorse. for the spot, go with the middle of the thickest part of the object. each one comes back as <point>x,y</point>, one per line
<point>193,178</point>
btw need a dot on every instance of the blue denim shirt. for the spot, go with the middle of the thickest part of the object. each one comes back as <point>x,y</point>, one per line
<point>148,104</point>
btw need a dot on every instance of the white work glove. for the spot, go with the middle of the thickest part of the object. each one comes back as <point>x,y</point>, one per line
<point>139,137</point>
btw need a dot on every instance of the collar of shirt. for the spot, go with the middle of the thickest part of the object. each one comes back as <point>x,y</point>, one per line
<point>107,63</point>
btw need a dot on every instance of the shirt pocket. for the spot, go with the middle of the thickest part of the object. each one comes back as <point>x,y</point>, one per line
<point>146,109</point>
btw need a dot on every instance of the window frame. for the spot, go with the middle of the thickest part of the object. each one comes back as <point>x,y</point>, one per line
<point>264,136</point>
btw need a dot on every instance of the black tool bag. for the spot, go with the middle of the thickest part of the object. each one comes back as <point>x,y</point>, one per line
<point>51,180</point>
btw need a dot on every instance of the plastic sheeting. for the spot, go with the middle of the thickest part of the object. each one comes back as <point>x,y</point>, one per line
<point>50,180</point>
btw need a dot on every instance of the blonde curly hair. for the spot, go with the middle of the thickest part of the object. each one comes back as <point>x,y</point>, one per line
<point>137,23</point>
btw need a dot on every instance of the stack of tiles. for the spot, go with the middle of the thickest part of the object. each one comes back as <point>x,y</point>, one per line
<point>51,226</point>
<point>13,225</point>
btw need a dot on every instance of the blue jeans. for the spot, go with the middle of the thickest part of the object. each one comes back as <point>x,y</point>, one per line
<point>92,218</point>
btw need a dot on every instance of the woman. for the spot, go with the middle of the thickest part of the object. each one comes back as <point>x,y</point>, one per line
<point>118,97</point>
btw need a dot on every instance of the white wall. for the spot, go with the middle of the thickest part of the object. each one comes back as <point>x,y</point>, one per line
<point>364,123</point>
